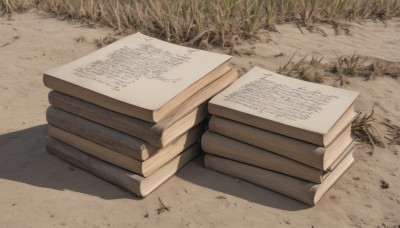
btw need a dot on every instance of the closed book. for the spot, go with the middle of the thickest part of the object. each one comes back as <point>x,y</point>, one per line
<point>187,115</point>
<point>138,76</point>
<point>298,109</point>
<point>310,154</point>
<point>102,135</point>
<point>140,186</point>
<point>304,191</point>
<point>226,147</point>
<point>143,168</point>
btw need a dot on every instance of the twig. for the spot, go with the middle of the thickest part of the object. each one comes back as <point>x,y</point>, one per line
<point>163,207</point>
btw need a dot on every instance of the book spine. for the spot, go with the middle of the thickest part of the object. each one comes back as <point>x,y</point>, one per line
<point>298,150</point>
<point>95,166</point>
<point>132,182</point>
<point>165,172</point>
<point>173,149</point>
<point>163,130</point>
<point>230,148</point>
<point>197,101</point>
<point>121,122</point>
<point>173,104</point>
<point>102,135</point>
<point>301,190</point>
<point>96,150</point>
<point>97,98</point>
<point>269,125</point>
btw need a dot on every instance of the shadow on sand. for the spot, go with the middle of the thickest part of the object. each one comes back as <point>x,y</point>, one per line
<point>23,158</point>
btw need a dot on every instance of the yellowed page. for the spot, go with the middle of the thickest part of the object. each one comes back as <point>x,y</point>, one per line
<point>139,70</point>
<point>268,95</point>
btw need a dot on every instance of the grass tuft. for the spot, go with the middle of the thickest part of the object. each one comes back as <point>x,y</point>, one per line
<point>363,129</point>
<point>104,41</point>
<point>342,68</point>
<point>81,39</point>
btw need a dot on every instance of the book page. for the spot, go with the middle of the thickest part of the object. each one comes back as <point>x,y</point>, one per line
<point>286,100</point>
<point>140,70</point>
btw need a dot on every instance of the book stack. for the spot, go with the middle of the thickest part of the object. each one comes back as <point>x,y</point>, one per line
<point>284,134</point>
<point>133,112</point>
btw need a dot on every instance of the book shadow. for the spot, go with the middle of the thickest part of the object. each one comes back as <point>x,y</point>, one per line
<point>23,158</point>
<point>196,173</point>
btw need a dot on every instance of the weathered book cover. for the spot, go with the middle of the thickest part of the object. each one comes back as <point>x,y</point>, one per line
<point>304,191</point>
<point>313,155</point>
<point>307,111</point>
<point>138,75</point>
<point>108,137</point>
<point>187,115</point>
<point>143,168</point>
<point>141,186</point>
<point>226,147</point>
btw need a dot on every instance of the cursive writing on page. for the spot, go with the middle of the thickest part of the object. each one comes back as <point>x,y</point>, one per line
<point>125,66</point>
<point>293,103</point>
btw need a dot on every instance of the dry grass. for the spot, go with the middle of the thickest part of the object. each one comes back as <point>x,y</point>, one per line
<point>367,68</point>
<point>363,129</point>
<point>312,70</point>
<point>81,39</point>
<point>393,135</point>
<point>315,70</point>
<point>104,41</point>
<point>210,22</point>
<point>10,6</point>
<point>395,140</point>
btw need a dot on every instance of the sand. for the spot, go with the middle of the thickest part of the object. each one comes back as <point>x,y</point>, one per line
<point>40,190</point>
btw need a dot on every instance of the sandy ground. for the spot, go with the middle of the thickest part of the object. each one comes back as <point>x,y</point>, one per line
<point>40,190</point>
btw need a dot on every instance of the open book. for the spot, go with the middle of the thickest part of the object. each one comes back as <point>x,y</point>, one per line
<point>138,76</point>
<point>303,110</point>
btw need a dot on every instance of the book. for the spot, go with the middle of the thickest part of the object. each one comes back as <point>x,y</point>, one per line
<point>313,155</point>
<point>140,186</point>
<point>143,168</point>
<point>226,147</point>
<point>304,191</point>
<point>105,136</point>
<point>302,110</point>
<point>138,76</point>
<point>190,113</point>
<point>155,134</point>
